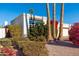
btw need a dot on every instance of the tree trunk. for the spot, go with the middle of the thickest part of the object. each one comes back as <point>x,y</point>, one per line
<point>54,21</point>
<point>48,23</point>
<point>61,22</point>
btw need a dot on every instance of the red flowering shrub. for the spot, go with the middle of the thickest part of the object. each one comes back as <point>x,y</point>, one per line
<point>8,51</point>
<point>56,23</point>
<point>74,34</point>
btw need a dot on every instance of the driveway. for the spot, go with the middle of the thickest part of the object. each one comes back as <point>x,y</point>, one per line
<point>62,48</point>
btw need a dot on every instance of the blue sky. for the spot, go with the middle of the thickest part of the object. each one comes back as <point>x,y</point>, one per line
<point>9,11</point>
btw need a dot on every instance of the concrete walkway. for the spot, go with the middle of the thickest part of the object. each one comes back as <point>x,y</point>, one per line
<point>62,48</point>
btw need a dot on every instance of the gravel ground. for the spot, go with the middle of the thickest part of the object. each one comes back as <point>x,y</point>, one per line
<point>62,48</point>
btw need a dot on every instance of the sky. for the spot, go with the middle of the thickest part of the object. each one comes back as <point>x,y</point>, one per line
<point>9,11</point>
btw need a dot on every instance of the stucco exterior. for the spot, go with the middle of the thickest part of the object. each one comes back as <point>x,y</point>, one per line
<point>2,32</point>
<point>23,21</point>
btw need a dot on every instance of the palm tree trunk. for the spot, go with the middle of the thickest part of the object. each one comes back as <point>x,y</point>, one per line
<point>54,21</point>
<point>33,21</point>
<point>30,23</point>
<point>48,23</point>
<point>31,11</point>
<point>61,22</point>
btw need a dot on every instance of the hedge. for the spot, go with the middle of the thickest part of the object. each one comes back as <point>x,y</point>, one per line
<point>33,48</point>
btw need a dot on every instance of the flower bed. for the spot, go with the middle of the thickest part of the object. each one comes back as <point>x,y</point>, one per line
<point>8,51</point>
<point>6,48</point>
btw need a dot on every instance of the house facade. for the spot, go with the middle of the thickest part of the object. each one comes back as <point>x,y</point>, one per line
<point>24,21</point>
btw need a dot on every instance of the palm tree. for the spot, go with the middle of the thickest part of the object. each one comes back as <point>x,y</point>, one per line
<point>31,15</point>
<point>48,23</point>
<point>61,22</point>
<point>54,21</point>
<point>31,11</point>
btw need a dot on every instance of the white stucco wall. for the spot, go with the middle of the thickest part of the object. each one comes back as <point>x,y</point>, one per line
<point>23,21</point>
<point>2,32</point>
<point>45,20</point>
<point>18,20</point>
<point>65,29</point>
<point>65,32</point>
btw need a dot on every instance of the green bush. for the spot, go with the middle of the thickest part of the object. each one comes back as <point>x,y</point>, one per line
<point>6,42</point>
<point>15,30</point>
<point>19,39</point>
<point>37,31</point>
<point>38,38</point>
<point>32,38</point>
<point>33,48</point>
<point>41,38</point>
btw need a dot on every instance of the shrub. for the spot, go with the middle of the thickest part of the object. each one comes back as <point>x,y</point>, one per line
<point>6,48</point>
<point>5,42</point>
<point>33,48</point>
<point>74,33</point>
<point>56,26</point>
<point>30,48</point>
<point>8,51</point>
<point>38,38</point>
<point>15,30</point>
<point>32,38</point>
<point>38,30</point>
<point>41,38</point>
<point>19,39</point>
